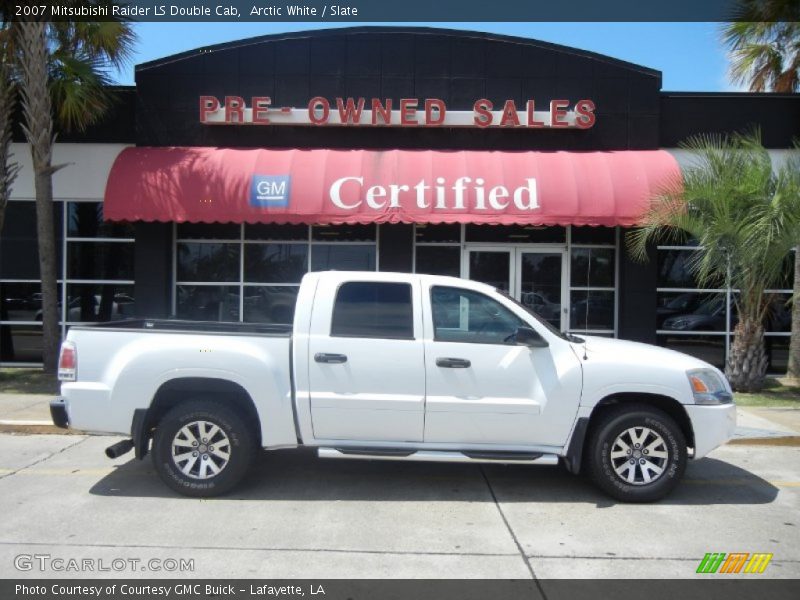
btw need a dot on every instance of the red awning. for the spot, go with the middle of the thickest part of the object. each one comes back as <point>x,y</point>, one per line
<point>390,186</point>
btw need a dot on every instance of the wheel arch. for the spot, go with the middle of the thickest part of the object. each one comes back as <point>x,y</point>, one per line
<point>583,429</point>
<point>174,391</point>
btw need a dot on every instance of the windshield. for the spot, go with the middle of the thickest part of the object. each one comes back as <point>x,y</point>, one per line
<point>564,336</point>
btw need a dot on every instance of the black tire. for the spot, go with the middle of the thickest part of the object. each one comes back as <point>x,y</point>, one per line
<point>615,422</point>
<point>240,437</point>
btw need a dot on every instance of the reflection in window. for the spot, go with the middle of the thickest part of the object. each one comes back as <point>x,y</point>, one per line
<point>275,263</point>
<point>107,302</point>
<point>592,267</point>
<point>373,310</point>
<point>100,260</point>
<point>439,260</point>
<point>85,220</point>
<point>591,309</point>
<point>21,343</point>
<point>208,262</point>
<point>337,257</point>
<point>270,304</point>
<point>461,315</point>
<point>207,302</point>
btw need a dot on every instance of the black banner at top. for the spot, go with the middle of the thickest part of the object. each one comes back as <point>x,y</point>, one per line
<point>359,11</point>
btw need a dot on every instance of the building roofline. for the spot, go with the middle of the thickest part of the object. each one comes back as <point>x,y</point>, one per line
<point>371,29</point>
<point>764,95</point>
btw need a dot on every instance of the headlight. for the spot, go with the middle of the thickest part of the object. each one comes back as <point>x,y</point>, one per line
<point>708,387</point>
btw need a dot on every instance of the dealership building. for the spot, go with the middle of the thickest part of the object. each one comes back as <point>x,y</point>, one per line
<point>228,172</point>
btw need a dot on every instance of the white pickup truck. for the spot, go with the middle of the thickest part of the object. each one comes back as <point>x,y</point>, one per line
<point>393,366</point>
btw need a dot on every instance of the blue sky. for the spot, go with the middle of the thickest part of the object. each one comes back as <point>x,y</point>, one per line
<point>690,55</point>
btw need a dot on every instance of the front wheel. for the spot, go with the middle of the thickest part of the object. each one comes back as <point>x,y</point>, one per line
<point>637,453</point>
<point>202,448</point>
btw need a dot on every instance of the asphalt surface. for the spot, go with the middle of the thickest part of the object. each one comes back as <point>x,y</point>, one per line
<point>300,516</point>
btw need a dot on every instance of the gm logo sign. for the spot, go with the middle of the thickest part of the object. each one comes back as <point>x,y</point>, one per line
<point>270,191</point>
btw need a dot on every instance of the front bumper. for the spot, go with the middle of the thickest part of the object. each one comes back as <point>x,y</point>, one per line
<point>712,425</point>
<point>58,412</point>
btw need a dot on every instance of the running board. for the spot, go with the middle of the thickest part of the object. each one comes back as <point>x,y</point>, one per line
<point>437,456</point>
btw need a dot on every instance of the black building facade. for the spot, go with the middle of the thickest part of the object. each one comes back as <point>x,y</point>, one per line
<point>579,277</point>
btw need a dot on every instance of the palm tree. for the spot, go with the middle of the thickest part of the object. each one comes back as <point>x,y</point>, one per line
<point>746,218</point>
<point>62,74</point>
<point>764,49</point>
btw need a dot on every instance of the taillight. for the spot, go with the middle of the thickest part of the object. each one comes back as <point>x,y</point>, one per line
<point>67,362</point>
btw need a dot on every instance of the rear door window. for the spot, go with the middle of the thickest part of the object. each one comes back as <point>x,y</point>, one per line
<point>373,310</point>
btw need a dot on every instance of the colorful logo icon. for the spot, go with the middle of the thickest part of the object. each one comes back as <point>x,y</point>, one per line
<point>270,191</point>
<point>735,562</point>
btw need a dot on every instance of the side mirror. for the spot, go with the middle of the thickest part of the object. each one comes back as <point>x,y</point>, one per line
<point>530,337</point>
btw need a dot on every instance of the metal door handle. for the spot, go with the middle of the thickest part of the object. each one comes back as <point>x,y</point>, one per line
<point>324,357</point>
<point>453,363</point>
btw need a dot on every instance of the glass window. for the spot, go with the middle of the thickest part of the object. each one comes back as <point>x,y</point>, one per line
<point>208,231</point>
<point>100,260</point>
<point>207,302</point>
<point>374,310</point>
<point>19,251</point>
<point>438,233</point>
<point>592,310</point>
<point>592,267</point>
<point>342,257</point>
<point>343,233</point>
<point>674,270</point>
<point>779,314</point>
<point>20,302</point>
<point>275,263</point>
<point>270,304</point>
<point>107,302</point>
<point>710,348</point>
<point>520,234</point>
<point>777,348</point>
<point>272,231</point>
<point>439,260</point>
<point>85,219</point>
<point>21,343</point>
<point>207,262</point>
<point>461,315</point>
<point>594,235</point>
<point>490,267</point>
<point>691,312</point>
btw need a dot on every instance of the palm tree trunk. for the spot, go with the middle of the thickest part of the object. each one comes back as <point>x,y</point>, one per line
<point>747,362</point>
<point>39,132</point>
<point>8,170</point>
<point>793,368</point>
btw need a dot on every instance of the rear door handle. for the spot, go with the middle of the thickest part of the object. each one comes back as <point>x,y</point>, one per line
<point>324,357</point>
<point>453,363</point>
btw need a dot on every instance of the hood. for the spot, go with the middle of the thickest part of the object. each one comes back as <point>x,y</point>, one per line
<point>637,353</point>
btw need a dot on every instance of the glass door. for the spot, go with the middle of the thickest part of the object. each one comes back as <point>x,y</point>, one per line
<point>492,266</point>
<point>535,277</point>
<point>541,284</point>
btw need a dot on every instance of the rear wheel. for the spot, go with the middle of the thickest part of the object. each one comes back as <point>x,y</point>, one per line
<point>202,448</point>
<point>637,453</point>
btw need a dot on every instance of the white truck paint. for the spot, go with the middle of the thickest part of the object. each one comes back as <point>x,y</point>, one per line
<point>440,383</point>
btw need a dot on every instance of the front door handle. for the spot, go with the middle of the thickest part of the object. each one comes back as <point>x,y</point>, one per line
<point>453,363</point>
<point>324,357</point>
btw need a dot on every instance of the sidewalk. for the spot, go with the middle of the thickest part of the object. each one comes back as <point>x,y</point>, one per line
<point>30,413</point>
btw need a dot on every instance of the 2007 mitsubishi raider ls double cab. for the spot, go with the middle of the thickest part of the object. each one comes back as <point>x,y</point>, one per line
<point>393,366</point>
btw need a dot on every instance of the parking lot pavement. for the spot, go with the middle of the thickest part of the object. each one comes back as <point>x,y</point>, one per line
<point>299,516</point>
